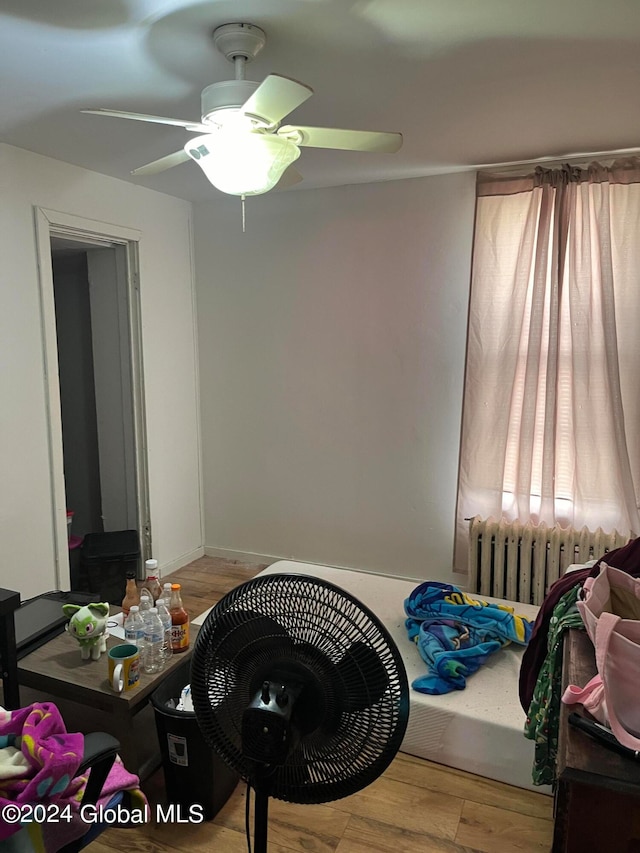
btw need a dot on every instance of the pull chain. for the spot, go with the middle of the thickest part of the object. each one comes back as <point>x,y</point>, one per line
<point>243,216</point>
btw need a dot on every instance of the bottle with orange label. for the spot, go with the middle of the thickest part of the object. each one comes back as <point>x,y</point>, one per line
<point>179,621</point>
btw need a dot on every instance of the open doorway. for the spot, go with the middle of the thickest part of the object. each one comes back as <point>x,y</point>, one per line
<point>91,327</point>
<point>94,369</point>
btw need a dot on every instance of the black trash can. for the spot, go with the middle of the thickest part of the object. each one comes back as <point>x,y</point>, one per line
<point>194,774</point>
<point>105,560</point>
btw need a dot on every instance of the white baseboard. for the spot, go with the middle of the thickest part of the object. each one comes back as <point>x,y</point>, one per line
<point>243,556</point>
<point>248,556</point>
<point>179,562</point>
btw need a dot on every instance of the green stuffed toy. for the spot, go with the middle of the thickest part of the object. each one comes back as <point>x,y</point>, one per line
<point>88,624</point>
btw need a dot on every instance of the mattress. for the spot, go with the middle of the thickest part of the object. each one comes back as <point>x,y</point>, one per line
<point>478,729</point>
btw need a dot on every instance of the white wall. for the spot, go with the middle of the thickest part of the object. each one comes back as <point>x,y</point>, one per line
<point>169,352</point>
<point>332,343</point>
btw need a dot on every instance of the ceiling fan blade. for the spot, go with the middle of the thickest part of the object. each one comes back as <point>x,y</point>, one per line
<point>290,178</point>
<point>162,164</point>
<point>275,98</point>
<point>176,122</point>
<point>346,140</point>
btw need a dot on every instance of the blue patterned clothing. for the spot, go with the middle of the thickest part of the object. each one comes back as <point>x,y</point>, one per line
<point>455,633</point>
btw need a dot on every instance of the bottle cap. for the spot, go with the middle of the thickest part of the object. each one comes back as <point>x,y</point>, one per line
<point>151,566</point>
<point>134,608</point>
<point>144,598</point>
<point>130,575</point>
<point>153,610</point>
<point>175,586</point>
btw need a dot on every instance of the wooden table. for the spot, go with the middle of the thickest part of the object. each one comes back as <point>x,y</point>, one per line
<point>56,671</point>
<point>597,807</point>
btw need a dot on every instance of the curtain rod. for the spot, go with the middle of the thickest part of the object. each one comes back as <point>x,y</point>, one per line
<point>575,159</point>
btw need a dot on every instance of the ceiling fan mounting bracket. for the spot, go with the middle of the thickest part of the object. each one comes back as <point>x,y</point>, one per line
<point>244,41</point>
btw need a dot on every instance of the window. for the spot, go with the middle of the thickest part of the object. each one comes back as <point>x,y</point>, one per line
<point>552,408</point>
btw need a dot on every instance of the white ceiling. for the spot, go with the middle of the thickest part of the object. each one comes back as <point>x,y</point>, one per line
<point>466,81</point>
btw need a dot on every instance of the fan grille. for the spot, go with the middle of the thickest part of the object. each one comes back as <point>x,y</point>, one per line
<point>352,712</point>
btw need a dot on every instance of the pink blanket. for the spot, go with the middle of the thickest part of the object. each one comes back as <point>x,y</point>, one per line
<point>43,767</point>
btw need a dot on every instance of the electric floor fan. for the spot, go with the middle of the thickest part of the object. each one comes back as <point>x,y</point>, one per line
<point>300,689</point>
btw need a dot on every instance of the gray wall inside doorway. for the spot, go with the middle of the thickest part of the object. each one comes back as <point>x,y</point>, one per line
<point>94,367</point>
<point>77,391</point>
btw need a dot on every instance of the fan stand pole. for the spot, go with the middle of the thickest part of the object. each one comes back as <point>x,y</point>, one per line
<point>260,810</point>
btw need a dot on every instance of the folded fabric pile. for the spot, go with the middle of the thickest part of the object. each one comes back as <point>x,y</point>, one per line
<point>455,633</point>
<point>39,761</point>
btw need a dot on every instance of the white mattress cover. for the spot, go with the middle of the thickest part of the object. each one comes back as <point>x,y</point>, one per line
<point>478,729</point>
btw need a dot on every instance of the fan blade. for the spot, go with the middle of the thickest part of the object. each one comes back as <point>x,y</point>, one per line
<point>176,122</point>
<point>346,140</point>
<point>162,164</point>
<point>366,675</point>
<point>275,98</point>
<point>290,178</point>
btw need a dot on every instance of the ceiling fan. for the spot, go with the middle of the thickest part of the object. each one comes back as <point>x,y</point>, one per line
<point>244,150</point>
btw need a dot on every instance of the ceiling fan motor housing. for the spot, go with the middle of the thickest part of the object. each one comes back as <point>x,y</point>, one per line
<point>228,94</point>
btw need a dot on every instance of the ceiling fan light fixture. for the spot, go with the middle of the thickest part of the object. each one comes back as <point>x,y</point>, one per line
<point>242,163</point>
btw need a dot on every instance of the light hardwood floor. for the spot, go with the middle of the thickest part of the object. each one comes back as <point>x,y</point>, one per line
<point>416,806</point>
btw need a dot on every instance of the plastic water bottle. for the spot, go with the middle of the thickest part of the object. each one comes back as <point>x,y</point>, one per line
<point>134,627</point>
<point>165,618</point>
<point>145,606</point>
<point>153,642</point>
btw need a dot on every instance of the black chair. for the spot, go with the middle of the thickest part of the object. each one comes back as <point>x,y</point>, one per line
<point>100,750</point>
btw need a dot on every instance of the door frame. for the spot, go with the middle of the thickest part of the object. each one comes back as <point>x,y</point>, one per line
<point>54,223</point>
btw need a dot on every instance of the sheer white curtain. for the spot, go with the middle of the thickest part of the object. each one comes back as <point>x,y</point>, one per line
<point>552,395</point>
